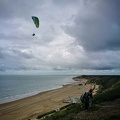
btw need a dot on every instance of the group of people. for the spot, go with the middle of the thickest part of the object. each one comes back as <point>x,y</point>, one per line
<point>86,98</point>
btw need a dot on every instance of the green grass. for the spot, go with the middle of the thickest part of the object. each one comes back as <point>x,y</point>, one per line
<point>109,92</point>
<point>66,114</point>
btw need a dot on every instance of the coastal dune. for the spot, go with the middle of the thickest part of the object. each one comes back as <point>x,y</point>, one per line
<point>31,107</point>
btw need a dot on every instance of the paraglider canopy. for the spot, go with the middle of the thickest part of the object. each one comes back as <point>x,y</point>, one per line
<point>36,21</point>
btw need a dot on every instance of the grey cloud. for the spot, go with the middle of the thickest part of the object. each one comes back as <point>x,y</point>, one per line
<point>102,60</point>
<point>1,54</point>
<point>93,24</point>
<point>19,53</point>
<point>23,54</point>
<point>13,59</point>
<point>65,2</point>
<point>59,69</point>
<point>16,8</point>
<point>97,27</point>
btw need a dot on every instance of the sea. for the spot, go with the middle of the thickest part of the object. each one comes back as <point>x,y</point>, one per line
<point>14,87</point>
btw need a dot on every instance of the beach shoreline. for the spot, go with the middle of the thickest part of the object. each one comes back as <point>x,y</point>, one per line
<point>15,87</point>
<point>30,107</point>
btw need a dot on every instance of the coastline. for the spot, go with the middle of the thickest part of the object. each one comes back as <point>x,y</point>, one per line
<point>29,85</point>
<point>30,107</point>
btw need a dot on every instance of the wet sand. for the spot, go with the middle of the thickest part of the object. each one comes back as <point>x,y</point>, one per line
<point>30,107</point>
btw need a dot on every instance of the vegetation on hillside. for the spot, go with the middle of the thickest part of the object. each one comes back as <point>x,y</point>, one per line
<point>106,103</point>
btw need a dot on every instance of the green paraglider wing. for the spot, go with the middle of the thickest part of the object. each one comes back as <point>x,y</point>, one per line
<point>36,21</point>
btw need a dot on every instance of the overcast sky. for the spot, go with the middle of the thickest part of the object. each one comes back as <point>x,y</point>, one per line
<point>75,36</point>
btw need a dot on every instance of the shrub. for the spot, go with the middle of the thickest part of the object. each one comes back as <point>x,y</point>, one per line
<point>108,94</point>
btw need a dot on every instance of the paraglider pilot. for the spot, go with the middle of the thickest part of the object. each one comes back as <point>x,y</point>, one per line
<point>33,34</point>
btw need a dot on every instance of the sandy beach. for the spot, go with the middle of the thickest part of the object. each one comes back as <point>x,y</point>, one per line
<point>30,107</point>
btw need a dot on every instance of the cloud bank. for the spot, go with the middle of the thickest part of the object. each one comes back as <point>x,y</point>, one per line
<point>77,36</point>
